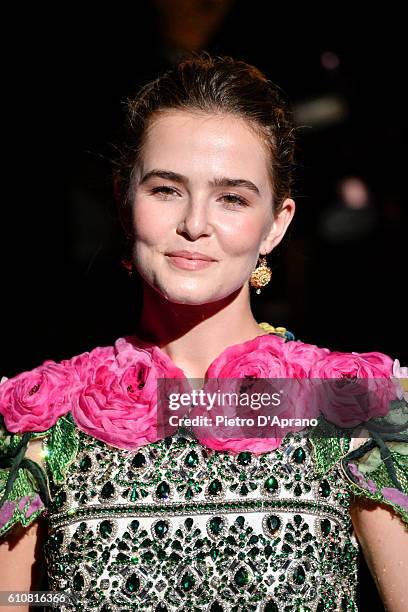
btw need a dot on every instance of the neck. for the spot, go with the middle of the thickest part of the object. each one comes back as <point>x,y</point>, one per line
<point>194,335</point>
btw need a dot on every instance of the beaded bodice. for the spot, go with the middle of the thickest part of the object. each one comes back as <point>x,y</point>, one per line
<point>175,526</point>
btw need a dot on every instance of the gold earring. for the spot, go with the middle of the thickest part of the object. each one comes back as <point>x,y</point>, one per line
<point>261,275</point>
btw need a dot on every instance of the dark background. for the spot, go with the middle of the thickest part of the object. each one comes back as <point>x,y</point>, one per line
<point>67,72</point>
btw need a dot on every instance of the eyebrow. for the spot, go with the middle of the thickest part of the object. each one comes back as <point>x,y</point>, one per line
<point>221,181</point>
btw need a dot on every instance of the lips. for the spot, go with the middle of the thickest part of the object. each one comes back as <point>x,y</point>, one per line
<point>194,255</point>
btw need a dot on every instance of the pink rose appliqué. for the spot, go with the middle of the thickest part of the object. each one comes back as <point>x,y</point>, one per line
<point>353,387</point>
<point>264,357</point>
<point>118,400</point>
<point>34,400</point>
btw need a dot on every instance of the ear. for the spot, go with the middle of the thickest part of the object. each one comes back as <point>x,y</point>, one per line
<point>279,226</point>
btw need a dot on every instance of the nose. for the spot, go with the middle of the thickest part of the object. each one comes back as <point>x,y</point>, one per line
<point>194,221</point>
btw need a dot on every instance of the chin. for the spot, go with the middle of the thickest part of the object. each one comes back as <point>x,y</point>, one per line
<point>195,298</point>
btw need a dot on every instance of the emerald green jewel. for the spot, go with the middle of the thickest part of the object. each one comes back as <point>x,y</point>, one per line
<point>139,461</point>
<point>297,490</point>
<point>273,524</point>
<point>146,543</point>
<point>298,519</point>
<point>324,488</point>
<point>161,529</point>
<point>108,490</point>
<point>191,461</point>
<point>244,458</point>
<point>187,581</point>
<point>299,575</point>
<point>78,582</point>
<point>189,493</point>
<point>244,490</point>
<point>240,521</point>
<point>56,540</point>
<point>241,577</point>
<point>270,606</point>
<point>215,487</point>
<point>299,455</point>
<point>60,499</point>
<point>163,491</point>
<point>271,484</point>
<point>133,583</point>
<point>325,526</point>
<point>216,524</point>
<point>105,528</point>
<point>161,608</point>
<point>85,463</point>
<point>188,523</point>
<point>134,525</point>
<point>134,495</point>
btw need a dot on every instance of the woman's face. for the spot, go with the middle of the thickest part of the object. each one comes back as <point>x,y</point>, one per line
<point>203,187</point>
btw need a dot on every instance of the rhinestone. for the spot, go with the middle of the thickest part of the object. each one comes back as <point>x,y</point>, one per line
<point>216,525</point>
<point>241,577</point>
<point>299,455</point>
<point>133,583</point>
<point>244,458</point>
<point>161,529</point>
<point>139,461</point>
<point>271,484</point>
<point>299,575</point>
<point>191,461</point>
<point>187,581</point>
<point>163,491</point>
<point>215,488</point>
<point>108,490</point>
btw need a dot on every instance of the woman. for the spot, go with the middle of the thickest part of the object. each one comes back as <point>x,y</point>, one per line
<point>141,515</point>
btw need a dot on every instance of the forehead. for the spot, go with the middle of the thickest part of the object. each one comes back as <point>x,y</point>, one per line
<point>197,144</point>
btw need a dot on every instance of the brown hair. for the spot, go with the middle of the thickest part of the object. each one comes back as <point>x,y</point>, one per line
<point>211,84</point>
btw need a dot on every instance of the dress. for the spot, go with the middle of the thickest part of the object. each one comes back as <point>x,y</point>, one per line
<point>175,525</point>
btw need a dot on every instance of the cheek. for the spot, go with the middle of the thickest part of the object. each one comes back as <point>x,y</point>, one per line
<point>149,227</point>
<point>242,235</point>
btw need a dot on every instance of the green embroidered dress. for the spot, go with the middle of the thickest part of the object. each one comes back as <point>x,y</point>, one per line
<point>176,526</point>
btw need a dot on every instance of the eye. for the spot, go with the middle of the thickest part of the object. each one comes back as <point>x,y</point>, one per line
<point>234,200</point>
<point>164,190</point>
